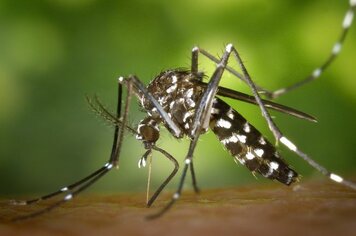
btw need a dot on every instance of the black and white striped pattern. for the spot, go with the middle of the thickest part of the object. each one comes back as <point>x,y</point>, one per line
<point>177,91</point>
<point>178,94</point>
<point>246,144</point>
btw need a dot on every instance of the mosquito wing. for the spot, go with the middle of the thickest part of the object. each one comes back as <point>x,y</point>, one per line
<point>225,92</point>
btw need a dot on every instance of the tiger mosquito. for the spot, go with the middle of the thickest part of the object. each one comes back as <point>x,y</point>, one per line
<point>186,106</point>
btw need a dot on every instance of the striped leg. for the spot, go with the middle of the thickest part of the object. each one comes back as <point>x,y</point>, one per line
<point>68,196</point>
<point>335,51</point>
<point>74,189</point>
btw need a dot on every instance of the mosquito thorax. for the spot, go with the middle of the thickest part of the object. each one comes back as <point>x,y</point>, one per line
<point>178,94</point>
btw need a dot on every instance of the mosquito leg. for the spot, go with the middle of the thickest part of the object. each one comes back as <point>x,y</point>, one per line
<point>194,70</point>
<point>278,134</point>
<point>86,182</point>
<point>346,24</point>
<point>194,180</point>
<point>74,185</point>
<point>119,130</point>
<point>68,188</point>
<point>169,178</point>
<point>194,66</point>
<point>64,200</point>
<point>177,194</point>
<point>175,197</point>
<point>229,69</point>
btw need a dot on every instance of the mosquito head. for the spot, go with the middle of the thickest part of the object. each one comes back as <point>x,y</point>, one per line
<point>148,132</point>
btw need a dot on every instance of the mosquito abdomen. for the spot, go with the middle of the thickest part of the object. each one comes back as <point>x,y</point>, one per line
<point>246,144</point>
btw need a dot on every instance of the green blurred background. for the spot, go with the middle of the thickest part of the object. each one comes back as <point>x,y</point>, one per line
<point>54,52</point>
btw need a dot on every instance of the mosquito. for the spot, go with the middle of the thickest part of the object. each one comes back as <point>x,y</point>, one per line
<point>186,106</point>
